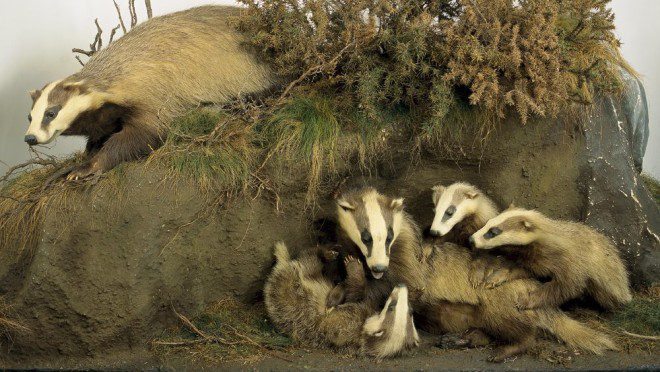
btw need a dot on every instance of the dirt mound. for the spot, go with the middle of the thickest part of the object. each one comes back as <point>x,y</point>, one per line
<point>112,261</point>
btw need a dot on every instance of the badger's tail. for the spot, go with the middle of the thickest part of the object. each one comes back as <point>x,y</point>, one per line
<point>281,253</point>
<point>574,333</point>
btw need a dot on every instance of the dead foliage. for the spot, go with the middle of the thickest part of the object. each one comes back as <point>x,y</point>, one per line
<point>533,56</point>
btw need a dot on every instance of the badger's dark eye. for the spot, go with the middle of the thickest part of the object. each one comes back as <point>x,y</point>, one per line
<point>392,306</point>
<point>30,118</point>
<point>390,236</point>
<point>51,113</point>
<point>450,211</point>
<point>492,232</point>
<point>366,237</point>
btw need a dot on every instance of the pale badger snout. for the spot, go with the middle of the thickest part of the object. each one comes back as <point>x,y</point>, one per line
<point>372,221</point>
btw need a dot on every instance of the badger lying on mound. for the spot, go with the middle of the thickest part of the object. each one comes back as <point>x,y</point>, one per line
<point>375,227</point>
<point>296,292</point>
<point>575,256</point>
<point>124,99</point>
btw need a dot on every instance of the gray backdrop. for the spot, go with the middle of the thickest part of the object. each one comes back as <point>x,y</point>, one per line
<point>37,36</point>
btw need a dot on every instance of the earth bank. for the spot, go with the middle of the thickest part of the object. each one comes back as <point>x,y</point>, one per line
<point>112,262</point>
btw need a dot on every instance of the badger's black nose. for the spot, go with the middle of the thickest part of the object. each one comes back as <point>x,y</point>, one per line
<point>471,240</point>
<point>435,233</point>
<point>401,285</point>
<point>31,139</point>
<point>379,269</point>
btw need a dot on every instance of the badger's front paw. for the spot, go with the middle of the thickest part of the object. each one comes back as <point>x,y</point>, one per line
<point>496,278</point>
<point>84,171</point>
<point>479,271</point>
<point>354,267</point>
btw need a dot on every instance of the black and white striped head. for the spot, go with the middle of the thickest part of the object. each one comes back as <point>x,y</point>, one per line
<point>56,106</point>
<point>392,330</point>
<point>373,222</point>
<point>452,204</point>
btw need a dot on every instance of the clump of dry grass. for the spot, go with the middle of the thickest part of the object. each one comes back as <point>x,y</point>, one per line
<point>226,330</point>
<point>9,325</point>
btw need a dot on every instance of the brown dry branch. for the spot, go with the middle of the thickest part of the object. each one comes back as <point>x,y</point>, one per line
<point>97,44</point>
<point>131,9</point>
<point>643,337</point>
<point>30,163</point>
<point>326,66</point>
<point>121,19</point>
<point>150,12</point>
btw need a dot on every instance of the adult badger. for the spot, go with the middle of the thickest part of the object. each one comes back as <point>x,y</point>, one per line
<point>125,97</point>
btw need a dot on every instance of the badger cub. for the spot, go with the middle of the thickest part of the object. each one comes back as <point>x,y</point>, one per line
<point>461,209</point>
<point>296,292</point>
<point>576,257</point>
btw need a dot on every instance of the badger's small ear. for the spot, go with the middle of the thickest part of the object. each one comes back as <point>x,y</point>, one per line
<point>75,86</point>
<point>397,204</point>
<point>511,206</point>
<point>471,194</point>
<point>34,94</point>
<point>379,333</point>
<point>343,204</point>
<point>527,225</point>
<point>438,189</point>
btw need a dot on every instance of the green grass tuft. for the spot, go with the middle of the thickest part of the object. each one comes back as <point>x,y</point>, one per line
<point>211,148</point>
<point>641,315</point>
<point>306,131</point>
<point>305,126</point>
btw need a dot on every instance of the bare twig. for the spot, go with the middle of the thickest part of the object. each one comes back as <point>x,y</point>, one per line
<point>112,34</point>
<point>131,10</point>
<point>190,324</point>
<point>150,12</point>
<point>31,162</point>
<point>643,337</point>
<point>206,338</point>
<point>121,19</point>
<point>331,64</point>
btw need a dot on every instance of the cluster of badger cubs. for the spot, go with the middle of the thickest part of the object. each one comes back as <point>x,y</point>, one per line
<point>360,294</point>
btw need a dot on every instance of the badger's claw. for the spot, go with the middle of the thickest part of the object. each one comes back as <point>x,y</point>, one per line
<point>354,267</point>
<point>496,278</point>
<point>83,172</point>
<point>479,270</point>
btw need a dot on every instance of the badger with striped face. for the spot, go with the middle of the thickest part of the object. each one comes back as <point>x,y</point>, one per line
<point>126,97</point>
<point>56,107</point>
<point>372,221</point>
<point>457,203</point>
